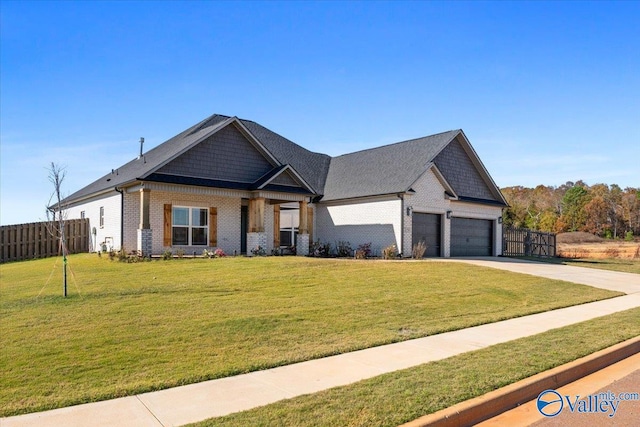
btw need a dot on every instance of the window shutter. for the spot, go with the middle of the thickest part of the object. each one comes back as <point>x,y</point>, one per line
<point>276,226</point>
<point>213,227</point>
<point>167,225</point>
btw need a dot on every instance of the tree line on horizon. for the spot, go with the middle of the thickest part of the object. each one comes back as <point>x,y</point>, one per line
<point>604,210</point>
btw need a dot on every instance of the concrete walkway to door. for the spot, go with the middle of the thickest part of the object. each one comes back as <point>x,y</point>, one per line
<point>196,402</point>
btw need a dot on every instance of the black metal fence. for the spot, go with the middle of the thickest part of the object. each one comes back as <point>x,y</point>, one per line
<point>524,242</point>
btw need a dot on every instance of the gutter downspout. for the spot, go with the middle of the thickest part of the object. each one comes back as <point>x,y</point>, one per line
<point>401,246</point>
<point>121,216</point>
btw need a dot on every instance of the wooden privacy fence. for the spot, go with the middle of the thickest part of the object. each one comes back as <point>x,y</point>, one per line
<point>33,240</point>
<point>524,242</point>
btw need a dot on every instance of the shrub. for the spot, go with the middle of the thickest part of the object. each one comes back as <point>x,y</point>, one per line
<point>258,251</point>
<point>180,253</point>
<point>218,253</point>
<point>390,252</point>
<point>363,251</point>
<point>320,249</point>
<point>628,236</point>
<point>167,255</point>
<point>344,249</point>
<point>419,249</point>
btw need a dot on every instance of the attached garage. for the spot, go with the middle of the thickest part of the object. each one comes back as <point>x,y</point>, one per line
<point>427,227</point>
<point>471,237</point>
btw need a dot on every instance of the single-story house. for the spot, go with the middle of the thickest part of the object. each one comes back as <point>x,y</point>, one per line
<point>233,184</point>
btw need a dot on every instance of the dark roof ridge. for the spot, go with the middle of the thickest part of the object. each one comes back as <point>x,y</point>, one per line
<point>396,143</point>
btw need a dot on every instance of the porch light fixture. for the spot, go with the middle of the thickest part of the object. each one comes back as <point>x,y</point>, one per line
<point>499,220</point>
<point>449,214</point>
<point>409,210</point>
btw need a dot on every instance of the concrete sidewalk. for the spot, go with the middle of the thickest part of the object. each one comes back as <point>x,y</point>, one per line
<point>196,402</point>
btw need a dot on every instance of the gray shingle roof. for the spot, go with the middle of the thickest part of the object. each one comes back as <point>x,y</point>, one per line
<point>151,160</point>
<point>311,166</point>
<point>383,170</point>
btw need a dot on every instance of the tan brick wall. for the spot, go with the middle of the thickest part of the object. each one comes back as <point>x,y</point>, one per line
<point>228,219</point>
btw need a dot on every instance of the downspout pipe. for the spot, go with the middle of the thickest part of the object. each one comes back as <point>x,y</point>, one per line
<point>401,245</point>
<point>121,216</point>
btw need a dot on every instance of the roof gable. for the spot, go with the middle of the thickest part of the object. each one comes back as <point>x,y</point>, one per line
<point>461,167</point>
<point>225,155</point>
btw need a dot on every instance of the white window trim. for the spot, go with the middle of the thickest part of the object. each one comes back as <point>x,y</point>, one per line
<point>190,227</point>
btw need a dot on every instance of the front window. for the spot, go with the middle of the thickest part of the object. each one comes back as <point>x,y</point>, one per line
<point>190,226</point>
<point>289,223</point>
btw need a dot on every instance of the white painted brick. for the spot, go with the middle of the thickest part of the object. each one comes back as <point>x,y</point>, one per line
<point>376,220</point>
<point>111,230</point>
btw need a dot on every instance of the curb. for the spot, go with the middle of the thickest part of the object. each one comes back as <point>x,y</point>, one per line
<point>489,405</point>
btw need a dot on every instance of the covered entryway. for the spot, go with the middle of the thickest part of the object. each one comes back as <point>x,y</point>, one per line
<point>471,237</point>
<point>427,227</point>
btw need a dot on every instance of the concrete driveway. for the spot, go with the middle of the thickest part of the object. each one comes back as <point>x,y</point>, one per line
<point>629,283</point>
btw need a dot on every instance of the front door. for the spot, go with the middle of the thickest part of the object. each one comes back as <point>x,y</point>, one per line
<point>244,227</point>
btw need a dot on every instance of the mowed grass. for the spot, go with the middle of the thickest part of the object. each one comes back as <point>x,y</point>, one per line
<point>130,328</point>
<point>398,397</point>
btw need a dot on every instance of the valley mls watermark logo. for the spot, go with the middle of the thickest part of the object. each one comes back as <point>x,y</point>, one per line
<point>550,403</point>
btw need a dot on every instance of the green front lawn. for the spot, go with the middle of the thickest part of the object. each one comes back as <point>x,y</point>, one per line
<point>398,397</point>
<point>130,328</point>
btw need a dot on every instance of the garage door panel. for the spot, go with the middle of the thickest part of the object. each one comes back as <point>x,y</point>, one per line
<point>427,227</point>
<point>471,237</point>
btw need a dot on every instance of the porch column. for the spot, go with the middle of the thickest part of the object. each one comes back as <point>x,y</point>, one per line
<point>256,237</point>
<point>302,241</point>
<point>145,241</point>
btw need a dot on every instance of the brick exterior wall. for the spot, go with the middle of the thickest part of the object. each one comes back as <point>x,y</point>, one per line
<point>110,231</point>
<point>302,244</point>
<point>255,240</point>
<point>381,221</point>
<point>228,219</point>
<point>375,220</point>
<point>145,242</point>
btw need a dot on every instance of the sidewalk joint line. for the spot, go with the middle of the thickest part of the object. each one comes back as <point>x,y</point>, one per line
<point>150,411</point>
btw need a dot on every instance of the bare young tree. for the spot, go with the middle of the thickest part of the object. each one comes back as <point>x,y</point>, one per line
<point>56,215</point>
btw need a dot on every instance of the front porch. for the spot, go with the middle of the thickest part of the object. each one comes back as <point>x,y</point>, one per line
<point>165,217</point>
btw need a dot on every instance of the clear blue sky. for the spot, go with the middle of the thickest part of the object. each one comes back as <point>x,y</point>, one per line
<point>546,92</point>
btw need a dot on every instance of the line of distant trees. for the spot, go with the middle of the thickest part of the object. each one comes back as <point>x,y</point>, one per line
<point>604,210</point>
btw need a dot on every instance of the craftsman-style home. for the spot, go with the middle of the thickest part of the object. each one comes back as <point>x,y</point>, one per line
<point>233,184</point>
